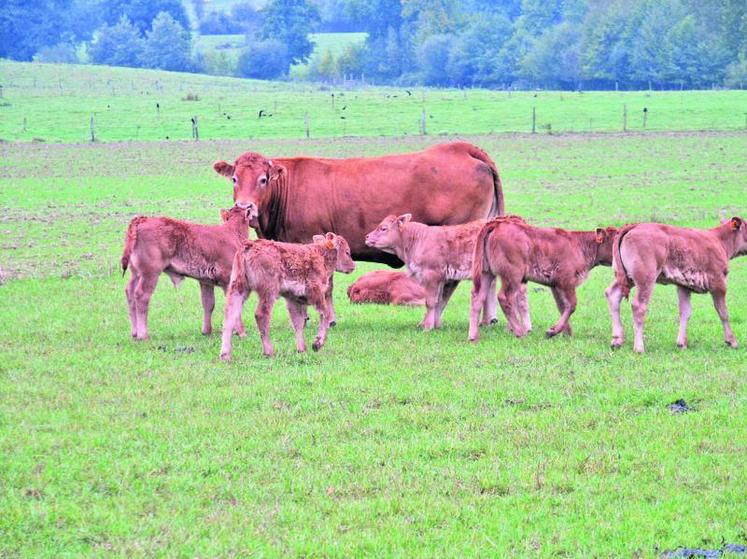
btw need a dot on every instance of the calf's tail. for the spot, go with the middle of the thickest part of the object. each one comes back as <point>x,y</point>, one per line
<point>480,262</point>
<point>238,269</point>
<point>130,240</point>
<point>621,274</point>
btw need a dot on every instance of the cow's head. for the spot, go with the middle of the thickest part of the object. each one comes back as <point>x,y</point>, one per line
<point>388,234</point>
<point>344,261</point>
<point>246,215</point>
<point>604,238</point>
<point>253,177</point>
<point>739,227</point>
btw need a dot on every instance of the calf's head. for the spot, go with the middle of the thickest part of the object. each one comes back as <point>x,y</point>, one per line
<point>739,229</point>
<point>236,214</point>
<point>344,261</point>
<point>604,238</point>
<point>388,234</point>
<point>253,177</point>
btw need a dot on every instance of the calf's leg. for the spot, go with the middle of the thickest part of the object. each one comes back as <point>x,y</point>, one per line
<point>561,303</point>
<point>132,307</point>
<point>330,302</point>
<point>143,291</point>
<point>446,293</point>
<point>683,299</point>
<point>490,305</point>
<point>719,301</point>
<point>433,288</point>
<point>640,307</point>
<point>239,328</point>
<point>207,296</point>
<point>231,317</point>
<point>507,300</point>
<point>318,299</point>
<point>478,302</point>
<point>614,294</point>
<point>263,314</point>
<point>297,313</point>
<point>522,307</point>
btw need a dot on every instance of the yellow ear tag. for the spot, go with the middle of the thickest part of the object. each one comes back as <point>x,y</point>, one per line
<point>329,244</point>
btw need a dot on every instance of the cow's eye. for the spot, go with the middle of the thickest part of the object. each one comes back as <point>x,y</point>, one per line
<point>263,180</point>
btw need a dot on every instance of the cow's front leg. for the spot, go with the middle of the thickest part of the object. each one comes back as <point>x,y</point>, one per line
<point>490,305</point>
<point>433,288</point>
<point>207,296</point>
<point>614,294</point>
<point>522,308</point>
<point>683,301</point>
<point>297,313</point>
<point>719,301</point>
<point>232,315</point>
<point>478,302</point>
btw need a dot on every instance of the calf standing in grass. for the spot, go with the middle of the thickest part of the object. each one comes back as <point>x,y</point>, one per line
<point>518,252</point>
<point>180,249</point>
<point>299,273</point>
<point>384,287</point>
<point>692,259</point>
<point>437,257</point>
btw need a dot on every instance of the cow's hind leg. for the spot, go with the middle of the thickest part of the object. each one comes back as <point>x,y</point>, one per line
<point>507,300</point>
<point>238,328</point>
<point>719,301</point>
<point>263,315</point>
<point>522,307</point>
<point>568,298</point>
<point>297,313</point>
<point>143,292</point>
<point>683,299</point>
<point>207,296</point>
<point>614,294</point>
<point>433,288</point>
<point>640,307</point>
<point>131,305</point>
<point>231,316</point>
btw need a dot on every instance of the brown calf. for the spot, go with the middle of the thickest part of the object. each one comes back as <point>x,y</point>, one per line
<point>385,287</point>
<point>180,249</point>
<point>299,273</point>
<point>692,259</point>
<point>437,257</point>
<point>518,253</point>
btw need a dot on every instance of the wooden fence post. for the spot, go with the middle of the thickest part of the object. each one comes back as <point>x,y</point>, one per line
<point>195,129</point>
<point>306,124</point>
<point>534,120</point>
<point>625,118</point>
<point>93,132</point>
<point>423,130</point>
<point>645,116</point>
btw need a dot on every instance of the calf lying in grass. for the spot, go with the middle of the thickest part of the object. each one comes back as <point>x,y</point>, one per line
<point>299,273</point>
<point>385,287</point>
<point>517,252</point>
<point>695,260</point>
<point>437,257</point>
<point>155,245</point>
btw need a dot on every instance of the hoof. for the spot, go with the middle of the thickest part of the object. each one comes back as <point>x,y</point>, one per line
<point>333,323</point>
<point>732,343</point>
<point>241,335</point>
<point>474,340</point>
<point>681,345</point>
<point>225,357</point>
<point>551,333</point>
<point>316,346</point>
<point>493,321</point>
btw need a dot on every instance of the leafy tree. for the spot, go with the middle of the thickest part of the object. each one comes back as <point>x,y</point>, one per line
<point>375,17</point>
<point>266,59</point>
<point>352,60</point>
<point>736,73</point>
<point>167,45</point>
<point>61,53</point>
<point>120,45</point>
<point>219,23</point>
<point>433,57</point>
<point>142,12</point>
<point>290,21</point>
<point>26,26</point>
<point>555,58</point>
<point>472,60</point>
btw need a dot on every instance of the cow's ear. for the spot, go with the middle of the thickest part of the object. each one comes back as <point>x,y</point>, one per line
<point>277,172</point>
<point>318,238</point>
<point>601,234</point>
<point>404,218</point>
<point>223,168</point>
<point>736,223</point>
<point>224,215</point>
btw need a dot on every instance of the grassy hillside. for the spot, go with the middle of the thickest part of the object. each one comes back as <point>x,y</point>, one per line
<point>389,441</point>
<point>55,103</point>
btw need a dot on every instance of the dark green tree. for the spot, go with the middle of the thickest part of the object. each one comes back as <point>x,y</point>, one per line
<point>120,45</point>
<point>167,45</point>
<point>142,12</point>
<point>266,59</point>
<point>290,22</point>
<point>26,26</point>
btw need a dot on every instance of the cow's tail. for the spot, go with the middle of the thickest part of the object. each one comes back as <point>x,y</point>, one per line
<point>621,274</point>
<point>497,209</point>
<point>480,262</point>
<point>130,240</point>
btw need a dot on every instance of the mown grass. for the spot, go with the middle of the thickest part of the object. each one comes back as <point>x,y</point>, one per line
<point>389,441</point>
<point>54,103</point>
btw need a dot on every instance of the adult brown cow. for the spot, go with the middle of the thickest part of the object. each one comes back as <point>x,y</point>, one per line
<point>299,197</point>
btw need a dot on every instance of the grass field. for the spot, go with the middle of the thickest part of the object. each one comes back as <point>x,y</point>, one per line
<point>55,103</point>
<point>389,441</point>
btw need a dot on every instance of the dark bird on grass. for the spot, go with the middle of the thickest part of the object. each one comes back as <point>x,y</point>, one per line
<point>261,113</point>
<point>409,93</point>
<point>344,107</point>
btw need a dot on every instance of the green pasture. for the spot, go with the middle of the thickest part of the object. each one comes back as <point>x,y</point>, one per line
<point>390,441</point>
<point>55,103</point>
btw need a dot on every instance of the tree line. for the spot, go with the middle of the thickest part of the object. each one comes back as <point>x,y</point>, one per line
<point>567,44</point>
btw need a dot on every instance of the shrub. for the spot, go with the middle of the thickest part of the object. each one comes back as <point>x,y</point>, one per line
<point>64,53</point>
<point>263,60</point>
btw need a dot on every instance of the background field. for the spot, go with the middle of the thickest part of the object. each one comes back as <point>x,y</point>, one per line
<point>55,103</point>
<point>390,440</point>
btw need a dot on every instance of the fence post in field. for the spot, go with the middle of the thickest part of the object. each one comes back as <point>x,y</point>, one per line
<point>306,123</point>
<point>423,131</point>
<point>645,116</point>
<point>534,120</point>
<point>93,132</point>
<point>24,124</point>
<point>745,121</point>
<point>195,129</point>
<point>1,91</point>
<point>625,118</point>
<point>333,101</point>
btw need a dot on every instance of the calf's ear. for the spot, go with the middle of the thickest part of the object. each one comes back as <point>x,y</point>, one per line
<point>318,238</point>
<point>736,223</point>
<point>601,234</point>
<point>330,236</point>
<point>404,218</point>
<point>223,168</point>
<point>224,215</point>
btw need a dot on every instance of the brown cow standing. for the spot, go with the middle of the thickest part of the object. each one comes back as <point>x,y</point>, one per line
<point>695,260</point>
<point>518,252</point>
<point>181,249</point>
<point>438,258</point>
<point>386,287</point>
<point>299,273</point>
